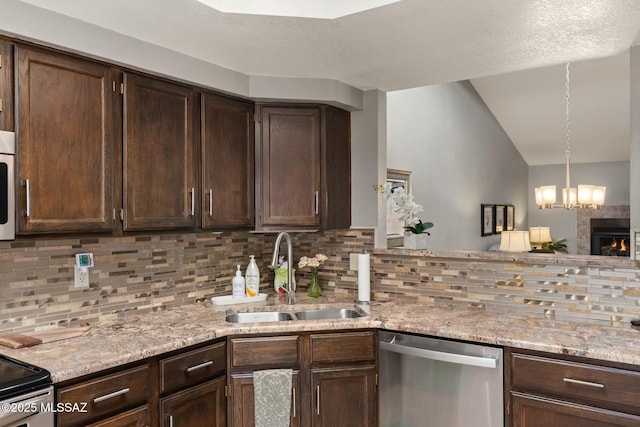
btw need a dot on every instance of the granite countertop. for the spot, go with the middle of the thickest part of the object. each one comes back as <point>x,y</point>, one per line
<point>112,343</point>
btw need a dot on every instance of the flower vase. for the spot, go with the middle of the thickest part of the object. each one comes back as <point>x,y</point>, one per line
<point>415,241</point>
<point>314,288</point>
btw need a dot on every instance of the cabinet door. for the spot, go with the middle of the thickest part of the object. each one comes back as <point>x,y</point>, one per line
<point>242,403</point>
<point>65,111</point>
<point>534,411</point>
<point>227,162</point>
<point>335,201</point>
<point>289,162</point>
<point>6,86</point>
<point>344,397</point>
<point>159,182</point>
<point>199,406</point>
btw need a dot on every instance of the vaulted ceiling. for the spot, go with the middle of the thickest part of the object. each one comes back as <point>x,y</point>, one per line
<point>414,43</point>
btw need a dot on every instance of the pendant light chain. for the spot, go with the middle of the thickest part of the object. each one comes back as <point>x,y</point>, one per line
<point>567,202</point>
<point>568,113</point>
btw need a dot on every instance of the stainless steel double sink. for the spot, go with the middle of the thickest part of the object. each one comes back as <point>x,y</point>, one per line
<point>281,316</point>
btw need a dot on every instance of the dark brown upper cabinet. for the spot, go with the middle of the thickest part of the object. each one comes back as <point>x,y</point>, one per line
<point>159,190</point>
<point>227,162</point>
<point>6,86</point>
<point>304,167</point>
<point>65,143</point>
<point>335,204</point>
<point>289,163</point>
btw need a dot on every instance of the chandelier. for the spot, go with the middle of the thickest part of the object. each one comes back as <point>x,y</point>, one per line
<point>585,196</point>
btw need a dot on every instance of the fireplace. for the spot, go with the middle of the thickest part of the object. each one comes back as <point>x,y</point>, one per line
<point>610,236</point>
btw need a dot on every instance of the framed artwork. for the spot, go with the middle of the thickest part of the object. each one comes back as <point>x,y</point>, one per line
<point>499,213</point>
<point>395,226</point>
<point>509,218</point>
<point>486,217</point>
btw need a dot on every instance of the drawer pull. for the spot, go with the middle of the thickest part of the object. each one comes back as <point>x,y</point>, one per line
<point>200,366</point>
<point>111,395</point>
<point>585,383</point>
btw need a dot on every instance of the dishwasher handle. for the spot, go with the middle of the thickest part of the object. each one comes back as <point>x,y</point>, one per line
<point>461,359</point>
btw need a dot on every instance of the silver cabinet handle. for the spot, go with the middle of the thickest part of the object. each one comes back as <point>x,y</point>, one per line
<point>27,188</point>
<point>193,201</point>
<point>200,366</point>
<point>294,401</point>
<point>585,383</point>
<point>318,399</point>
<point>210,202</point>
<point>317,202</point>
<point>111,395</point>
<point>170,420</point>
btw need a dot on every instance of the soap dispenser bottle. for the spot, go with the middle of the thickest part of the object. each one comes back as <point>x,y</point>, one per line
<point>252,278</point>
<point>237,285</point>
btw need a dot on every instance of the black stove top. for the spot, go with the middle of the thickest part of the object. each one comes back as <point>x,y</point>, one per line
<point>18,377</point>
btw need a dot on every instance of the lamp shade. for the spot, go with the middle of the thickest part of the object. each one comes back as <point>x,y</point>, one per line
<point>545,195</point>
<point>598,195</point>
<point>515,241</point>
<point>540,234</point>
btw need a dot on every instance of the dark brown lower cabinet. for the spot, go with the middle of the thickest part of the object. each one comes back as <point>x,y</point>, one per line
<point>535,411</point>
<point>242,396</point>
<point>199,406</point>
<point>550,390</point>
<point>179,389</point>
<point>334,380</point>
<point>344,397</point>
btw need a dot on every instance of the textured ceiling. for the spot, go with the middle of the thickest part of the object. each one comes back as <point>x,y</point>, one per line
<point>406,44</point>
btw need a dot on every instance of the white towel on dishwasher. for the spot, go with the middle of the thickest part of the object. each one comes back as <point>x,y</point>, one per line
<point>272,397</point>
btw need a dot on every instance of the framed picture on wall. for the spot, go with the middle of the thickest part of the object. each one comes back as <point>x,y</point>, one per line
<point>509,218</point>
<point>499,216</point>
<point>395,226</point>
<point>486,218</point>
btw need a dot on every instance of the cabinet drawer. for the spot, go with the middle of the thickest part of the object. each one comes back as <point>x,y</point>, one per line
<point>263,351</point>
<point>609,387</point>
<point>192,367</point>
<point>104,395</point>
<point>343,347</point>
<point>134,418</point>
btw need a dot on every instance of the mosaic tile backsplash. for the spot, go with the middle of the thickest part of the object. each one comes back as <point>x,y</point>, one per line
<point>586,288</point>
<point>135,274</point>
<point>146,272</point>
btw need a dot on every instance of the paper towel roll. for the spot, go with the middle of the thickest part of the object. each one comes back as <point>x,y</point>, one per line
<point>364,284</point>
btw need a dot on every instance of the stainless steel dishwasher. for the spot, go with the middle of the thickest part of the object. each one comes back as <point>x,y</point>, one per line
<point>429,382</point>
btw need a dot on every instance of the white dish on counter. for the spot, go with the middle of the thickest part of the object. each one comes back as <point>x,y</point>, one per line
<point>228,299</point>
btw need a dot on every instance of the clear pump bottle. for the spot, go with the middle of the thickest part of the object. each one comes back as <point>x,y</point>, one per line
<point>238,285</point>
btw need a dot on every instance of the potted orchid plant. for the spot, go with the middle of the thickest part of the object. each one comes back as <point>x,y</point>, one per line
<point>313,263</point>
<point>403,204</point>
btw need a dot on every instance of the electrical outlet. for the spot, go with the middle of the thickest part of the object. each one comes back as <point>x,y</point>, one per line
<point>81,278</point>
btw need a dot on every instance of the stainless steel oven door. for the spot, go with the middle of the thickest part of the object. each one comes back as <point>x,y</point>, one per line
<point>7,187</point>
<point>35,409</point>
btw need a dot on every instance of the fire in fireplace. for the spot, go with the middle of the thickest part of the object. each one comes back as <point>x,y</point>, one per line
<point>610,236</point>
